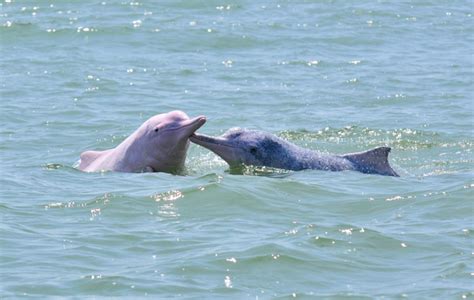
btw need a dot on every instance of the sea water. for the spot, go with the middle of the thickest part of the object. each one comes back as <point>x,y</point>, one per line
<point>334,76</point>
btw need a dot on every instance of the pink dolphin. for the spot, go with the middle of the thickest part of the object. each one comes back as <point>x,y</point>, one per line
<point>158,145</point>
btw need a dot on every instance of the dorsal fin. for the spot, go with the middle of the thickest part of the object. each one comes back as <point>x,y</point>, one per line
<point>88,157</point>
<point>374,161</point>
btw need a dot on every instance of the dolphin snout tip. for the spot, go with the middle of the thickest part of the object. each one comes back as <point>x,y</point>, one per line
<point>194,137</point>
<point>197,123</point>
<point>201,120</point>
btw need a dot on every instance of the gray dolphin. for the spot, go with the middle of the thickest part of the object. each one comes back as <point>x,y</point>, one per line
<point>250,147</point>
<point>158,145</point>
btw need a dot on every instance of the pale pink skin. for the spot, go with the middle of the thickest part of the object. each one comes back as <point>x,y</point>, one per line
<point>148,150</point>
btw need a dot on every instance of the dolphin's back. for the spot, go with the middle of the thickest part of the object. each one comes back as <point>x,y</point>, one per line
<point>373,161</point>
<point>88,157</point>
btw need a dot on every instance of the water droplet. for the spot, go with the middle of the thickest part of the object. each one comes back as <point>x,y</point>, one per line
<point>227,63</point>
<point>232,260</point>
<point>227,282</point>
<point>137,23</point>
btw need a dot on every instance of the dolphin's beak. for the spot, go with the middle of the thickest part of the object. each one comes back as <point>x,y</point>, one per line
<point>191,125</point>
<point>219,146</point>
<point>209,142</point>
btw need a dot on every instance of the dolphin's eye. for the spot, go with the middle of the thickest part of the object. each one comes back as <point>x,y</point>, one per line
<point>157,129</point>
<point>253,150</point>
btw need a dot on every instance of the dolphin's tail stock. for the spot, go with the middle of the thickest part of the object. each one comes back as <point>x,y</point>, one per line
<point>374,161</point>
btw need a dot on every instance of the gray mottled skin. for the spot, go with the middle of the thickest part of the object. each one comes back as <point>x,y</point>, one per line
<point>250,147</point>
<point>158,145</point>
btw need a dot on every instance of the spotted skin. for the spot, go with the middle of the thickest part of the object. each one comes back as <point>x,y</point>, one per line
<point>258,148</point>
